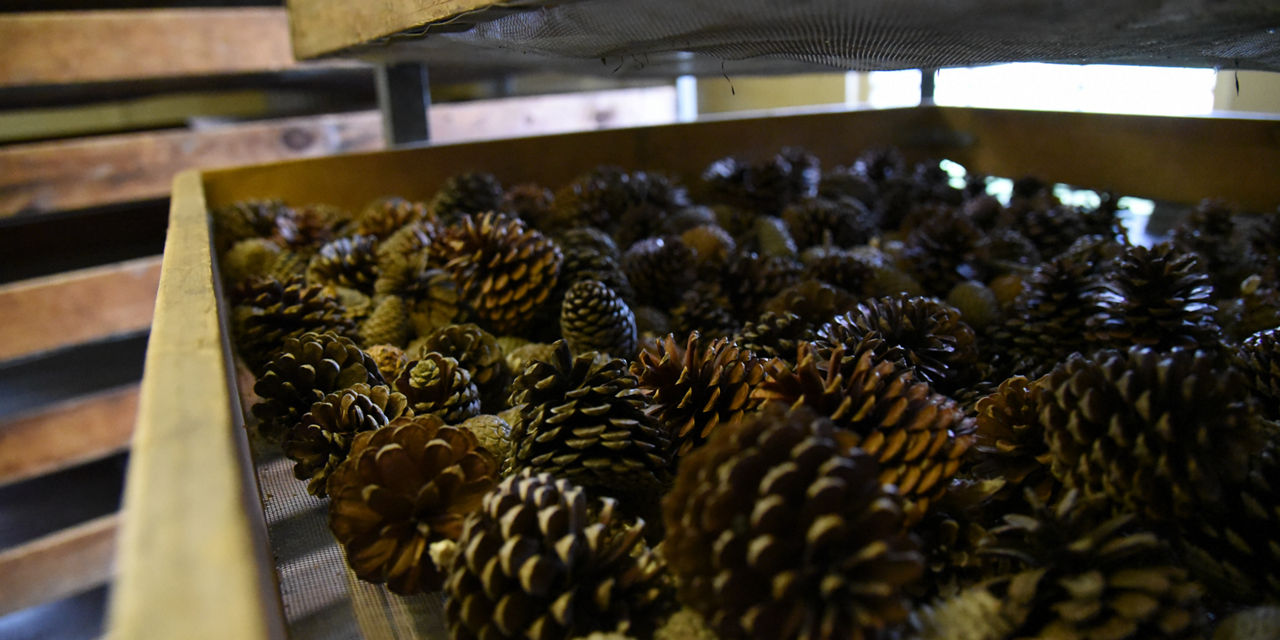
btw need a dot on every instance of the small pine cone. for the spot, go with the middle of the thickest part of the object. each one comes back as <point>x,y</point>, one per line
<point>391,360</point>
<point>697,387</point>
<point>269,311</point>
<point>926,333</point>
<point>1051,228</point>
<point>751,279</point>
<point>687,218</point>
<point>247,259</point>
<point>405,244</point>
<point>288,265</point>
<point>308,368</point>
<point>815,302</point>
<point>651,322</point>
<point>919,437</point>
<point>530,202</point>
<point>711,245</point>
<point>777,530</point>
<point>659,269</point>
<point>436,302</point>
<point>1049,318</point>
<point>1259,358</point>
<point>403,488</point>
<point>1256,623</point>
<point>467,194</point>
<point>844,182</point>
<point>685,624</point>
<point>437,385</point>
<point>976,303</point>
<point>1156,297</point>
<point>594,318</point>
<point>972,614</point>
<point>1089,575</point>
<point>387,324</point>
<point>704,307</point>
<point>1008,288</point>
<point>493,433</point>
<point>385,216</point>
<point>477,351</point>
<point>1161,434</point>
<point>1010,447</point>
<point>584,420</point>
<point>309,227</point>
<point>1005,250</point>
<point>1210,232</point>
<point>541,560</point>
<point>246,219</point>
<point>1257,308</point>
<point>503,269</point>
<point>521,357</point>
<point>775,335</point>
<point>581,263</point>
<point>821,222</point>
<point>942,250</point>
<point>839,268</point>
<point>346,262</point>
<point>321,440</point>
<point>588,240</point>
<point>891,281</point>
<point>772,238</point>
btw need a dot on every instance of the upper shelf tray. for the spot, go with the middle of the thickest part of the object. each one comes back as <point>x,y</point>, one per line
<point>672,37</point>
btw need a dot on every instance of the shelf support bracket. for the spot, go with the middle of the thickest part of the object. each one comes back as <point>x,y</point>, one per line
<point>404,96</point>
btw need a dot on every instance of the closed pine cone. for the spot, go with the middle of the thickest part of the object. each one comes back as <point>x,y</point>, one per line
<point>477,351</point>
<point>918,437</point>
<point>840,268</point>
<point>248,259</point>
<point>1158,297</point>
<point>246,219</point>
<point>308,368</point>
<point>404,487</point>
<point>391,360</point>
<point>594,318</point>
<point>387,324</point>
<point>976,303</point>
<point>659,269</point>
<point>818,221</point>
<point>1259,358</point>
<point>815,302</point>
<point>777,530</point>
<point>1210,232</point>
<point>704,307</point>
<point>321,440</point>
<point>493,433</point>
<point>309,227</point>
<point>587,263</point>
<point>584,420</point>
<point>467,193</point>
<point>775,335</point>
<point>350,262</point>
<point>529,201</point>
<point>385,216</point>
<point>698,386</point>
<point>1049,319</point>
<point>942,250</point>
<point>503,269</point>
<point>268,311</point>
<point>437,385</point>
<point>1161,434</point>
<point>751,279</point>
<point>541,560</point>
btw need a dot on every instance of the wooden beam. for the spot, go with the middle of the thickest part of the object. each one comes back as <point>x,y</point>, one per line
<point>58,565</point>
<point>68,434</point>
<point>102,46</point>
<point>81,306</point>
<point>542,115</point>
<point>322,27</point>
<point>52,176</point>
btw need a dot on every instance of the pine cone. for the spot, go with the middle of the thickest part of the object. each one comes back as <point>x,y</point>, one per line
<point>321,440</point>
<point>589,263</point>
<point>269,311</point>
<point>1209,232</point>
<point>346,262</point>
<point>1257,623</point>
<point>821,222</point>
<point>503,269</point>
<point>765,187</point>
<point>436,302</point>
<point>943,249</point>
<point>711,246</point>
<point>437,385</point>
<point>777,530</point>
<point>1089,575</point>
<point>521,357</point>
<point>1257,308</point>
<point>659,269</point>
<point>751,279</point>
<point>697,387</point>
<point>403,488</point>
<point>1156,297</point>
<point>385,216</point>
<point>391,360</point>
<point>775,335</point>
<point>587,240</point>
<point>917,436</point>
<point>541,560</point>
<point>594,318</point>
<point>1010,446</point>
<point>467,194</point>
<point>308,368</point>
<point>815,302</point>
<point>387,324</point>
<point>1049,319</point>
<point>972,614</point>
<point>976,303</point>
<point>770,236</point>
<point>704,307</point>
<point>493,433</point>
<point>405,244</point>
<point>584,420</point>
<point>248,259</point>
<point>1050,226</point>
<point>1161,434</point>
<point>602,197</point>
<point>476,350</point>
<point>246,219</point>
<point>530,202</point>
<point>840,268</point>
<point>1259,359</point>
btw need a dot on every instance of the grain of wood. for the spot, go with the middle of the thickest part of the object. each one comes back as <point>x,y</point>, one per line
<point>102,46</point>
<point>322,27</point>
<point>68,434</point>
<point>58,565</point>
<point>66,309</point>
<point>54,176</point>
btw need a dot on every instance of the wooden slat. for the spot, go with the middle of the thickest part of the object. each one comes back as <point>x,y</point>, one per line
<point>72,308</point>
<point>89,172</point>
<point>68,434</point>
<point>541,115</point>
<point>99,46</point>
<point>324,26</point>
<point>59,565</point>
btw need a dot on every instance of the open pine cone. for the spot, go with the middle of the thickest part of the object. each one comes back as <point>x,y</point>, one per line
<point>308,368</point>
<point>1158,297</point>
<point>1049,319</point>
<point>350,262</point>
<point>1259,358</point>
<point>403,488</point>
<point>819,221</point>
<point>776,530</point>
<point>1009,443</point>
<point>385,216</point>
<point>659,269</point>
<point>476,350</point>
<point>467,193</point>
<point>775,335</point>
<point>267,311</point>
<point>595,318</point>
<point>322,438</point>
<point>814,301</point>
<point>942,250</point>
<point>436,384</point>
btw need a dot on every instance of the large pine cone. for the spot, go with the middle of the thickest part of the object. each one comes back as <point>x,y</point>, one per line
<point>775,335</point>
<point>385,216</point>
<point>1049,320</point>
<point>437,385</point>
<point>603,197</point>
<point>308,368</point>
<point>594,318</point>
<point>1161,434</point>
<point>1158,297</point>
<point>584,420</point>
<point>917,436</point>
<point>321,440</point>
<point>697,387</point>
<point>528,201</point>
<point>477,351</point>
<point>777,530</point>
<point>350,262</point>
<point>404,488</point>
<point>1259,358</point>
<point>540,560</point>
<point>1088,575</point>
<point>503,269</point>
<point>467,193</point>
<point>942,250</point>
<point>269,311</point>
<point>821,222</point>
<point>659,269</point>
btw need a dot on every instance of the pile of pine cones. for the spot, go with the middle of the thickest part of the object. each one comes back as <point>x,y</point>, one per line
<point>781,403</point>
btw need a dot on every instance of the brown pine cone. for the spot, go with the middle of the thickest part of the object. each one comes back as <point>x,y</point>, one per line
<point>321,440</point>
<point>391,360</point>
<point>268,311</point>
<point>704,307</point>
<point>589,263</point>
<point>1210,232</point>
<point>815,222</point>
<point>765,187</point>
<point>777,530</point>
<point>918,437</point>
<point>387,324</point>
<point>530,202</point>
<point>584,420</point>
<point>775,335</point>
<point>308,368</point>
<point>346,262</point>
<point>815,302</point>
<point>477,351</point>
<point>405,244</point>
<point>543,561</point>
<point>1161,434</point>
<point>1052,227</point>
<point>1009,446</point>
<point>404,488</point>
<point>603,197</point>
<point>711,246</point>
<point>1159,298</point>
<point>943,250</point>
<point>1257,308</point>
<point>503,269</point>
<point>309,227</point>
<point>976,303</point>
<point>751,279</point>
<point>658,270</point>
<point>436,302</point>
<point>1259,358</point>
<point>972,614</point>
<point>467,194</point>
<point>840,268</point>
<point>697,387</point>
<point>246,219</point>
<point>437,385</point>
<point>588,240</point>
<point>594,318</point>
<point>385,216</point>
<point>1049,320</point>
<point>248,259</point>
<point>493,433</point>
